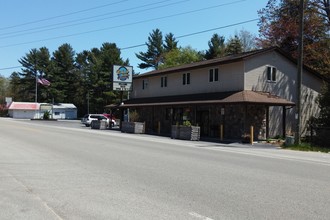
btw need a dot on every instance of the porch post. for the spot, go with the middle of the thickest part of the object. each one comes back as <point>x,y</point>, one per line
<point>284,121</point>
<point>267,121</point>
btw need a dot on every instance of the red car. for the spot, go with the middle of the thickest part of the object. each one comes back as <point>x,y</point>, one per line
<point>111,118</point>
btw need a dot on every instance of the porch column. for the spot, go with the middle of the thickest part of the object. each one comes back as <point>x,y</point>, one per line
<point>284,121</point>
<point>267,121</point>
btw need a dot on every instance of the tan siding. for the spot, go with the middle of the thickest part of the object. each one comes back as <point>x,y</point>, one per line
<point>285,87</point>
<point>231,78</point>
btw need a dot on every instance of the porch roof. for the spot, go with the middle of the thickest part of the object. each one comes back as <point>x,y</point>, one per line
<point>237,97</point>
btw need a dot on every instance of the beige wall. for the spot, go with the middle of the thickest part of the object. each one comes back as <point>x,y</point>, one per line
<point>230,79</point>
<point>285,87</point>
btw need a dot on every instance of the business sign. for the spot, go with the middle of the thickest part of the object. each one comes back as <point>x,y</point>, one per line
<point>122,78</point>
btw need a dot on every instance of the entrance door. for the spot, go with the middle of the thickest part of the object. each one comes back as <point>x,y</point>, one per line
<point>203,122</point>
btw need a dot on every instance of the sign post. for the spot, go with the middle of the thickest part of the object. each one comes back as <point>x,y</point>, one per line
<point>122,81</point>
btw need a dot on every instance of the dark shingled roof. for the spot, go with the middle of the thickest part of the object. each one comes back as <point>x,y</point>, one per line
<point>238,97</point>
<point>225,60</point>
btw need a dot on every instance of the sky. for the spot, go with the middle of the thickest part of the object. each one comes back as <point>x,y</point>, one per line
<point>86,24</point>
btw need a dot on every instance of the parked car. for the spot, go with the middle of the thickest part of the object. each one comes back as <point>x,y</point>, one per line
<point>111,118</point>
<point>88,118</point>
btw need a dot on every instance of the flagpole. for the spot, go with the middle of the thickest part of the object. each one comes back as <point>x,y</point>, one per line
<point>36,90</point>
<point>36,78</point>
<point>36,95</point>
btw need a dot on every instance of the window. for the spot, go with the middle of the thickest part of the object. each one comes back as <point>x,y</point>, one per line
<point>214,75</point>
<point>186,79</point>
<point>163,81</point>
<point>144,84</point>
<point>271,74</point>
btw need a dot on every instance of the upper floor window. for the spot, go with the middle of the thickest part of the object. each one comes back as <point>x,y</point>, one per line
<point>144,83</point>
<point>186,79</point>
<point>214,75</point>
<point>163,81</point>
<point>271,74</point>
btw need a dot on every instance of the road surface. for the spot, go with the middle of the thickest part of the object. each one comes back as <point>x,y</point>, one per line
<point>59,170</point>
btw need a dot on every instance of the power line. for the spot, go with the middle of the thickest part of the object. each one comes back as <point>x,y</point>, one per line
<point>10,68</point>
<point>95,20</point>
<point>64,15</point>
<point>182,36</point>
<point>87,18</point>
<point>199,32</point>
<point>124,25</point>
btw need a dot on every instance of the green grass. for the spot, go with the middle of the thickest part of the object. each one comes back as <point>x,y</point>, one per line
<point>306,147</point>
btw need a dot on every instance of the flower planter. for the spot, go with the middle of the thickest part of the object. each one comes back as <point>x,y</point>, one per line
<point>97,124</point>
<point>133,127</point>
<point>185,132</point>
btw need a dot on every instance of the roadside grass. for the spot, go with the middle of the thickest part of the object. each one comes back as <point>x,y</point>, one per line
<point>306,147</point>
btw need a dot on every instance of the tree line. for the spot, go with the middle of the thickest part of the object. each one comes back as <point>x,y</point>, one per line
<point>85,78</point>
<point>79,78</point>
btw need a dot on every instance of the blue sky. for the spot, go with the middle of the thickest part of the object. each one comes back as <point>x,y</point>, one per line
<point>86,24</point>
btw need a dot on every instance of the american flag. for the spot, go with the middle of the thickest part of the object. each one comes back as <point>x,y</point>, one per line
<point>43,82</point>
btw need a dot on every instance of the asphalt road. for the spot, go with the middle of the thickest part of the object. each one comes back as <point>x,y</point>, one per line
<point>63,170</point>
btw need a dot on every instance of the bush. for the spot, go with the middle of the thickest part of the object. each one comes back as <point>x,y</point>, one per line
<point>306,147</point>
<point>187,123</point>
<point>46,115</point>
<point>133,116</point>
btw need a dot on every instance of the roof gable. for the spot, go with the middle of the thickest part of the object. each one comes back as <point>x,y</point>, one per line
<point>225,60</point>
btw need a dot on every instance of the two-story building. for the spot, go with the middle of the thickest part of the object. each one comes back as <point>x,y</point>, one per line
<point>257,88</point>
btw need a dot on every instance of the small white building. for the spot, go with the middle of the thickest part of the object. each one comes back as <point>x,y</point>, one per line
<point>24,110</point>
<point>31,110</point>
<point>64,111</point>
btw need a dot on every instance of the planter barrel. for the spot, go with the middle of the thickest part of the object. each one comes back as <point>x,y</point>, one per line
<point>133,127</point>
<point>96,124</point>
<point>185,132</point>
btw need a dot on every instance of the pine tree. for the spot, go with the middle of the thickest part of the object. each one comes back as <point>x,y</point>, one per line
<point>170,42</point>
<point>234,46</point>
<point>62,76</point>
<point>35,64</point>
<point>216,47</point>
<point>154,55</point>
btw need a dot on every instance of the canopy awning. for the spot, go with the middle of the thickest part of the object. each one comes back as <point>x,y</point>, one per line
<point>240,97</point>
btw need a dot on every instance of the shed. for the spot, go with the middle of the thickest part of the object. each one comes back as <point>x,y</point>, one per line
<point>64,111</point>
<point>23,110</point>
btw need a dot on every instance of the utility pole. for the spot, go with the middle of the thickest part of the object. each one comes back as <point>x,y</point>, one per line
<point>300,70</point>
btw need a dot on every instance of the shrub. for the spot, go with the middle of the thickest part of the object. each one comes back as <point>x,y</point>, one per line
<point>46,115</point>
<point>133,116</point>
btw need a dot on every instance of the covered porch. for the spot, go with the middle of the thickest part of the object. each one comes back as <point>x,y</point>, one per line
<point>230,114</point>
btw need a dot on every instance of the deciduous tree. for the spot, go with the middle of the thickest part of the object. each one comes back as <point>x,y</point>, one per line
<point>181,56</point>
<point>279,25</point>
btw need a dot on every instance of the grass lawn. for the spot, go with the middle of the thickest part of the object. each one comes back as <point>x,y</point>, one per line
<point>306,147</point>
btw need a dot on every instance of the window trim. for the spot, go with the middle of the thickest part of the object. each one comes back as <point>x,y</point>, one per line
<point>186,79</point>
<point>144,84</point>
<point>271,73</point>
<point>163,81</point>
<point>214,75</point>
